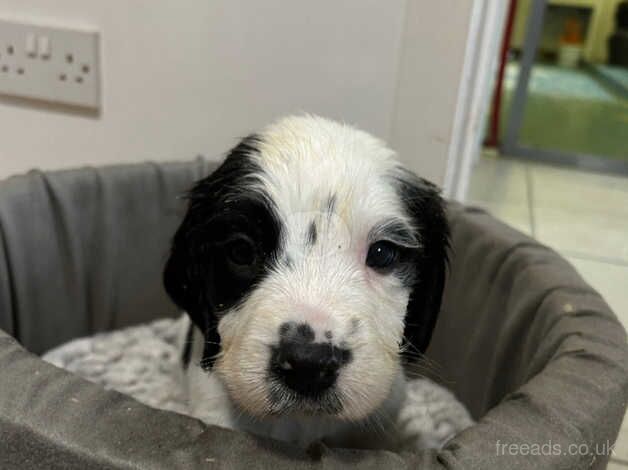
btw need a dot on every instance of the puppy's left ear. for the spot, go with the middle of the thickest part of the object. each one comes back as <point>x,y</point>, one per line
<point>427,209</point>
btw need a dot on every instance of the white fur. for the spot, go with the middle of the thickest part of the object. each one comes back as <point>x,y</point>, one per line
<point>305,160</point>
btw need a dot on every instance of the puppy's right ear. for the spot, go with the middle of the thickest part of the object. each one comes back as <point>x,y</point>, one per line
<point>189,271</point>
<point>185,274</point>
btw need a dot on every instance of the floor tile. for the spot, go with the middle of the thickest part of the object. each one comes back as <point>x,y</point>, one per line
<point>616,466</point>
<point>593,233</point>
<point>499,180</point>
<point>610,281</point>
<point>499,185</point>
<point>621,445</point>
<point>558,188</point>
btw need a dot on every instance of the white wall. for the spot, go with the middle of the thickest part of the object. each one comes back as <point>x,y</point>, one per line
<point>432,58</point>
<point>183,78</point>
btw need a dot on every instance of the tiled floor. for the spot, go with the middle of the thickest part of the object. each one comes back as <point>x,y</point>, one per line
<point>582,215</point>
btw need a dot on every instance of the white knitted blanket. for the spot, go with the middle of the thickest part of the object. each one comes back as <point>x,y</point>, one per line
<point>144,362</point>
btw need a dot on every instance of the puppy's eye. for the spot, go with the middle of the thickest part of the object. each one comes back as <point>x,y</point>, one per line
<point>241,252</point>
<point>382,255</point>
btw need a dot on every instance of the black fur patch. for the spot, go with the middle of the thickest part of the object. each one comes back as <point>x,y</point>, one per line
<point>426,273</point>
<point>312,234</point>
<point>293,331</point>
<point>187,347</point>
<point>199,276</point>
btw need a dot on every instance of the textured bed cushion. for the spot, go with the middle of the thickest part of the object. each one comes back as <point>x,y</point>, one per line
<point>141,361</point>
<point>534,352</point>
<point>144,362</point>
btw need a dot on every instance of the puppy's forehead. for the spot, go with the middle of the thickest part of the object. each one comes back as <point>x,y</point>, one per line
<point>313,164</point>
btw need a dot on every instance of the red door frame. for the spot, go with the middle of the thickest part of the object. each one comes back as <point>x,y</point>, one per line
<point>492,140</point>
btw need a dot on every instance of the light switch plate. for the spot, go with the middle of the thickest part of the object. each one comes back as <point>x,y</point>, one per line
<point>49,63</point>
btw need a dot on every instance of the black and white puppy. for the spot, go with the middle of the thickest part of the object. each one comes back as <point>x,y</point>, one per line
<point>311,265</point>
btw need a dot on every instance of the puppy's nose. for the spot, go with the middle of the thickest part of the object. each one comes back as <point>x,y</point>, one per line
<point>306,367</point>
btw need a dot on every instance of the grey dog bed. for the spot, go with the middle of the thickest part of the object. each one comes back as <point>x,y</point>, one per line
<point>531,350</point>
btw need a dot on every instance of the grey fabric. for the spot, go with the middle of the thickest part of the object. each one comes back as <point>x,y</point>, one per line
<point>84,248</point>
<point>534,352</point>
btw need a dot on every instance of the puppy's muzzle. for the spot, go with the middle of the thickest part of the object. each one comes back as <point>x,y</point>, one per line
<point>304,366</point>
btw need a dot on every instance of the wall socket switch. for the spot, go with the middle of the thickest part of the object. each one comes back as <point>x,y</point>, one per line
<point>51,64</point>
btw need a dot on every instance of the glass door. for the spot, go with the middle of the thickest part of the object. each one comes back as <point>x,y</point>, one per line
<point>566,90</point>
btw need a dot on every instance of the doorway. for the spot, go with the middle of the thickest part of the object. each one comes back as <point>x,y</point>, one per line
<point>564,93</point>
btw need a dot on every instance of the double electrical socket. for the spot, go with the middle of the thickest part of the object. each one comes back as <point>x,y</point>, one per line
<point>51,64</point>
